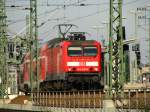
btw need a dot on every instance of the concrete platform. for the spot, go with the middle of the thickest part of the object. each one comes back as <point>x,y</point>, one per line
<point>109,106</point>
<point>19,107</point>
<point>29,108</point>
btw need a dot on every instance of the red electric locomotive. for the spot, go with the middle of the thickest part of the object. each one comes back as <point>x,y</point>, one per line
<point>67,63</point>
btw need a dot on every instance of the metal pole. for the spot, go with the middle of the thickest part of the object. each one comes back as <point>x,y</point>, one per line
<point>135,24</point>
<point>135,75</point>
<point>115,46</point>
<point>3,51</point>
<point>149,44</point>
<point>37,49</point>
<point>106,32</point>
<point>34,42</point>
<point>106,60</point>
<point>31,46</point>
<point>27,41</point>
<point>121,56</point>
<point>110,48</point>
<point>97,29</point>
<point>27,26</point>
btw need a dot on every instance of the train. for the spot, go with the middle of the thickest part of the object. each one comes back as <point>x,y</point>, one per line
<point>65,63</point>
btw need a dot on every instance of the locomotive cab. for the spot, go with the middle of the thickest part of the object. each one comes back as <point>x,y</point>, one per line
<point>83,59</point>
<point>82,51</point>
<point>83,63</point>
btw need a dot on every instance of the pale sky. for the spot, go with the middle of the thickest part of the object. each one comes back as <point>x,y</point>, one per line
<point>94,13</point>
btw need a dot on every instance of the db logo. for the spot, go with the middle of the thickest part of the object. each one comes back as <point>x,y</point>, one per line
<point>82,63</point>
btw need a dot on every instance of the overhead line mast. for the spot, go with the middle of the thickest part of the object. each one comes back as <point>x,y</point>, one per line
<point>33,44</point>
<point>116,70</point>
<point>3,51</point>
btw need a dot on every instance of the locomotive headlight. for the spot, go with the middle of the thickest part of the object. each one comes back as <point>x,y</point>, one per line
<point>72,63</point>
<point>69,69</point>
<point>96,69</point>
<point>94,63</point>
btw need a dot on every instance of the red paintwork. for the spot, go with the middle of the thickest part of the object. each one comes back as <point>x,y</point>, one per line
<point>26,71</point>
<point>54,60</point>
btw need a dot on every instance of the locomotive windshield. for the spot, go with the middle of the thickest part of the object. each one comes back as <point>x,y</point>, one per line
<point>75,51</point>
<point>82,51</point>
<point>90,51</point>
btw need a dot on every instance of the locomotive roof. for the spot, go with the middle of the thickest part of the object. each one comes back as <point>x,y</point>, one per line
<point>56,41</point>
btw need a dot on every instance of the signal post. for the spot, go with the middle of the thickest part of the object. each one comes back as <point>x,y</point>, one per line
<point>3,51</point>
<point>33,42</point>
<point>116,69</point>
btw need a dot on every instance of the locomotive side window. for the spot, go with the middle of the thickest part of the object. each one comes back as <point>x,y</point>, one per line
<point>74,51</point>
<point>90,51</point>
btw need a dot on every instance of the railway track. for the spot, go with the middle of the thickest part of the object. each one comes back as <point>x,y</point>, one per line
<point>90,99</point>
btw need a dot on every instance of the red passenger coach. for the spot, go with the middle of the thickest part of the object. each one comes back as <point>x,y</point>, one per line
<point>69,63</point>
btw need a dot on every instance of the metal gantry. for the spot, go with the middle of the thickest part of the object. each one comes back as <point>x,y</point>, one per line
<point>27,26</point>
<point>3,50</point>
<point>116,70</point>
<point>33,43</point>
<point>149,43</point>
